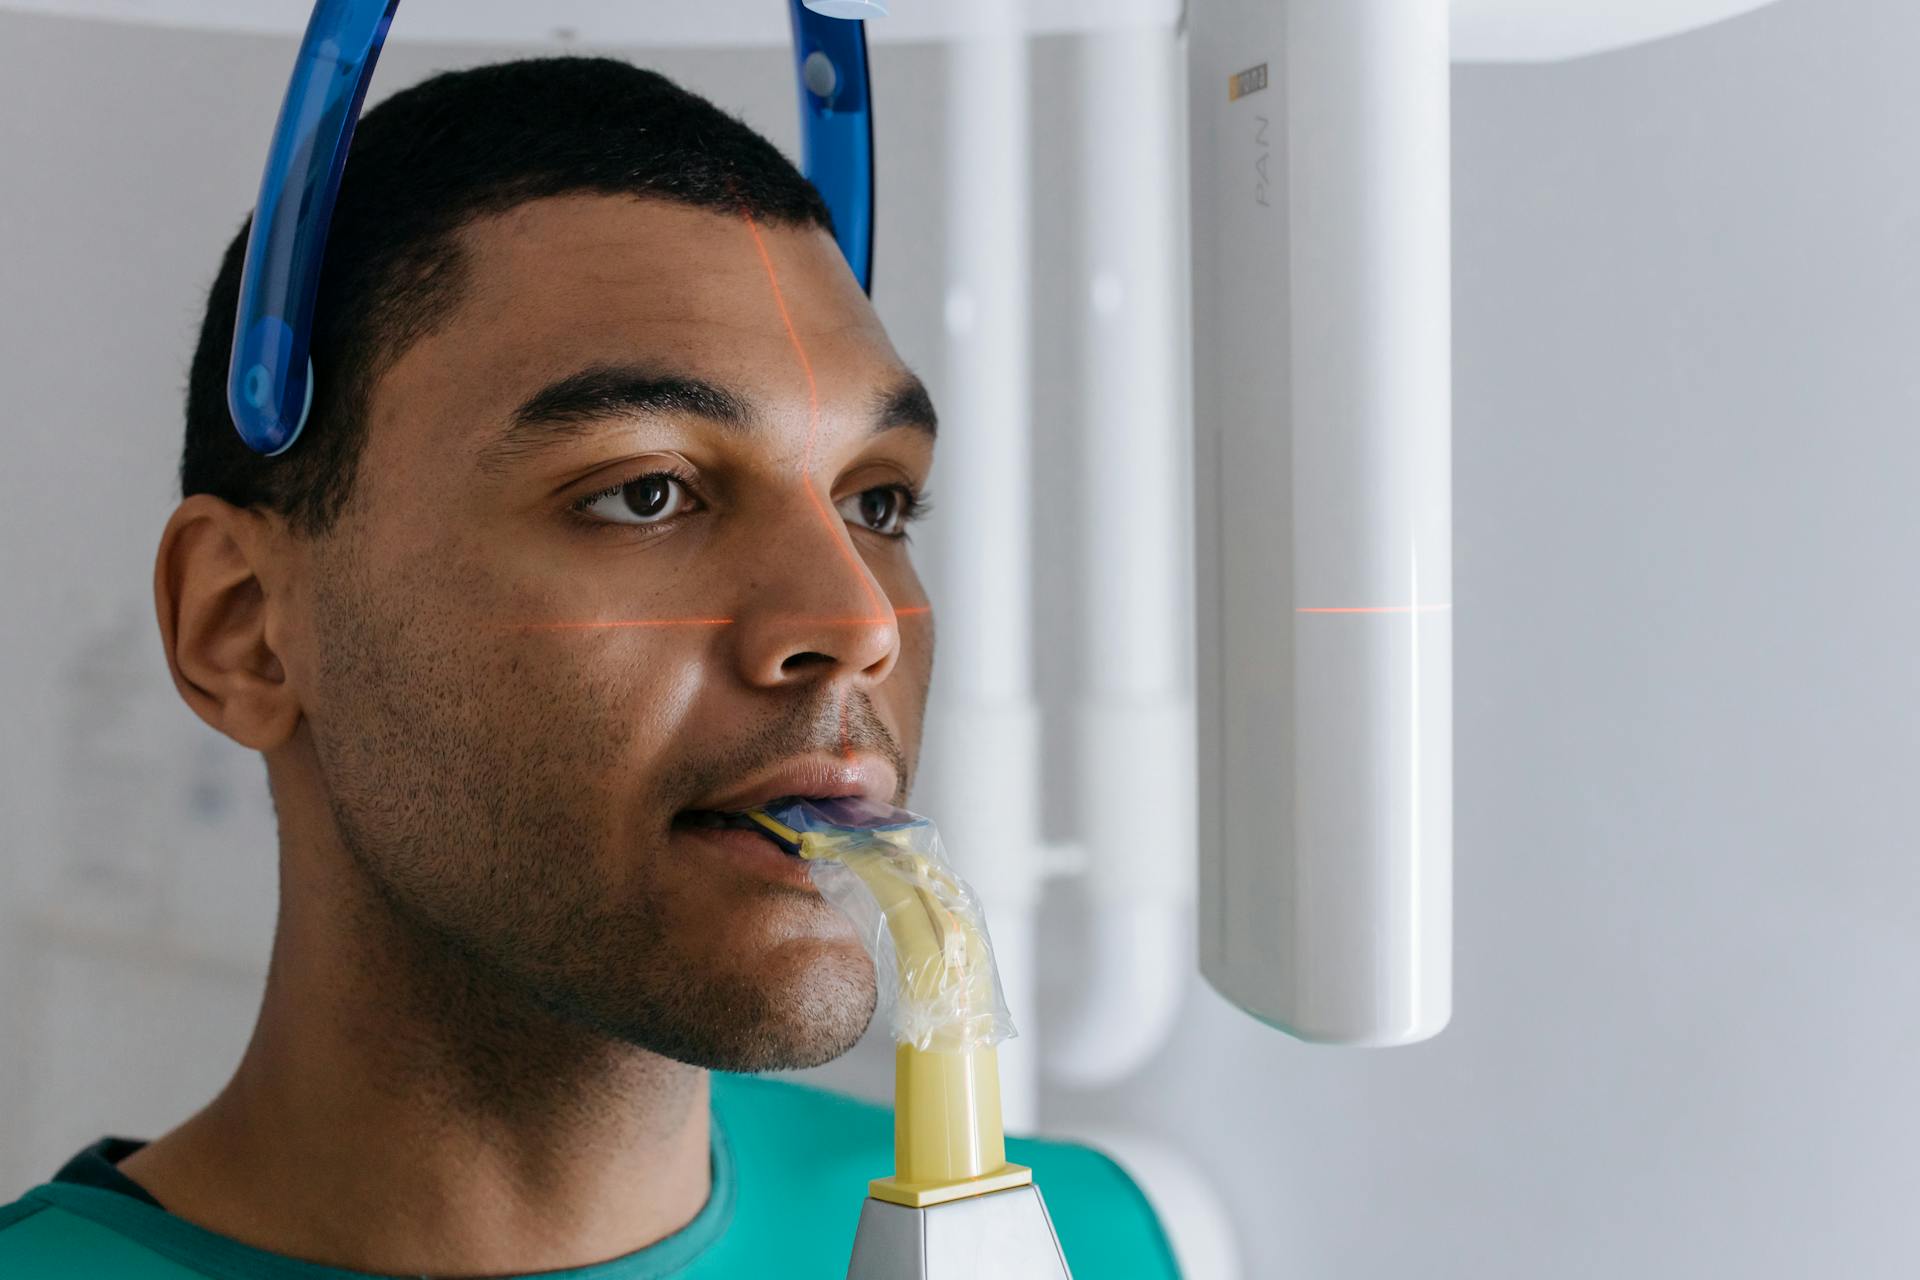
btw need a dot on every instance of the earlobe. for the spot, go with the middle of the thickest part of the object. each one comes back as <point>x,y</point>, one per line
<point>213,591</point>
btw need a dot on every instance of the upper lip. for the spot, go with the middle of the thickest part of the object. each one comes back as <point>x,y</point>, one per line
<point>817,776</point>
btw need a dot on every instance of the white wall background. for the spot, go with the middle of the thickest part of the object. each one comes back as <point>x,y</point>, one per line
<point>1688,493</point>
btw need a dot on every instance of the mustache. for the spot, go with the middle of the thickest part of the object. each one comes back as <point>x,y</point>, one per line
<point>814,727</point>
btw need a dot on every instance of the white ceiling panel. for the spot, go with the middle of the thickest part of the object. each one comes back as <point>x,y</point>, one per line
<point>1550,30</point>
<point>611,22</point>
<point>1483,30</point>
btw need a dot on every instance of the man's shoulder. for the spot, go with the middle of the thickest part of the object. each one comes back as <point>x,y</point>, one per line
<point>1106,1224</point>
<point>49,1233</point>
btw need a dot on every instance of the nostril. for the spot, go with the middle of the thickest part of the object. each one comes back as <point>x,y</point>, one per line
<point>801,661</point>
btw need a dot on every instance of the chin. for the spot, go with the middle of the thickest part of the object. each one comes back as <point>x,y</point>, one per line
<point>796,1003</point>
<point>813,1003</point>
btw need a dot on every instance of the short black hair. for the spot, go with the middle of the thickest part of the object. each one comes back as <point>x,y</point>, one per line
<point>461,145</point>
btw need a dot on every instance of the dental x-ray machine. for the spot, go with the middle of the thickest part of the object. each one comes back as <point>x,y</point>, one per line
<point>1319,196</point>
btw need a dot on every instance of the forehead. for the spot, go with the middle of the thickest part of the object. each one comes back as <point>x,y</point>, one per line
<point>563,283</point>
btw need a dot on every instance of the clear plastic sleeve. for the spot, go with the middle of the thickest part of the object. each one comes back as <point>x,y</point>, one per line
<point>922,924</point>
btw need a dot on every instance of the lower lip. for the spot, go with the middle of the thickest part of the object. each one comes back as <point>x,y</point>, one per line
<point>753,851</point>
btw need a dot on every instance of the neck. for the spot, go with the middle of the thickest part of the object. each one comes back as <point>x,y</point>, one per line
<point>399,1111</point>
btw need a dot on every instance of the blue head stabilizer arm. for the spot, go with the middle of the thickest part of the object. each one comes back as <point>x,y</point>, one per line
<point>270,377</point>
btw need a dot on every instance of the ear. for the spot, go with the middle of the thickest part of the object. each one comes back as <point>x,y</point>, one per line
<point>220,619</point>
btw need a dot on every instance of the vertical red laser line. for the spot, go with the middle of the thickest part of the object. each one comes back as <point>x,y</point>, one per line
<point>806,460</point>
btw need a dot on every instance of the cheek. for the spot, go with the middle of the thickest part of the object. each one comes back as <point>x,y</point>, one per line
<point>547,715</point>
<point>606,705</point>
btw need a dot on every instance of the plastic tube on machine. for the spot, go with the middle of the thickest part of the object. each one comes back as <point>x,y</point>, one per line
<point>1322,434</point>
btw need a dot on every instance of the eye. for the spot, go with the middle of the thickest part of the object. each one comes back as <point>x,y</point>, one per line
<point>650,499</point>
<point>887,509</point>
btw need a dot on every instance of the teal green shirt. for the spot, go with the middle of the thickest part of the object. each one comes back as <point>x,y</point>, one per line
<point>790,1172</point>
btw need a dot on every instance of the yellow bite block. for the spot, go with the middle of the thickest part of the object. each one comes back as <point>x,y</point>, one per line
<point>948,1141</point>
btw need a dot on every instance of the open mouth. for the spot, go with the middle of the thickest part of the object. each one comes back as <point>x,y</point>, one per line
<point>735,820</point>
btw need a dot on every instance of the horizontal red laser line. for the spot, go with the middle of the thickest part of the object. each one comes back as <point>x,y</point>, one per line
<point>1385,608</point>
<point>622,622</point>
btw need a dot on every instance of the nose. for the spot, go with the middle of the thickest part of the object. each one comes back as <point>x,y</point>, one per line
<point>815,612</point>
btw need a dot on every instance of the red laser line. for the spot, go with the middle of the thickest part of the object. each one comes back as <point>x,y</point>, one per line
<point>806,460</point>
<point>813,418</point>
<point>813,496</point>
<point>622,622</point>
<point>860,621</point>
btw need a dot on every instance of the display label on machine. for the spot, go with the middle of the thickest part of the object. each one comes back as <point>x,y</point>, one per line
<point>1242,83</point>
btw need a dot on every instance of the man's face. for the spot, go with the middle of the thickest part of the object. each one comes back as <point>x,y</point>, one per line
<point>623,545</point>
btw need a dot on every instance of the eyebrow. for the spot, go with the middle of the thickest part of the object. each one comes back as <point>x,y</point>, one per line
<point>906,404</point>
<point>592,397</point>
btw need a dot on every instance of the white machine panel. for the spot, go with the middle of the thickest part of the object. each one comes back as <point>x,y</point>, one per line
<point>1322,425</point>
